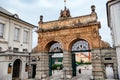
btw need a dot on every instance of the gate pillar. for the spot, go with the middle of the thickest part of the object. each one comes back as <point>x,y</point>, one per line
<point>67,63</point>
<point>42,70</point>
<point>98,71</point>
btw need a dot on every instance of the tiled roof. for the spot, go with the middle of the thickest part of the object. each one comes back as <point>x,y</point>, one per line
<point>13,16</point>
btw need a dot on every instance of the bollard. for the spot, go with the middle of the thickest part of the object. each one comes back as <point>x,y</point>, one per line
<point>43,77</point>
<point>68,76</point>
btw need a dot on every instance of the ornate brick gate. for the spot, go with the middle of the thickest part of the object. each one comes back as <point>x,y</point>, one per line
<point>65,32</point>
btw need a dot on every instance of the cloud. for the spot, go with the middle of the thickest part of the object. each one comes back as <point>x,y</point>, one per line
<point>45,4</point>
<point>30,10</point>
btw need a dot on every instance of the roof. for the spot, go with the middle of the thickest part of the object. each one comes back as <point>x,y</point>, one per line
<point>65,20</point>
<point>85,55</point>
<point>108,5</point>
<point>5,11</point>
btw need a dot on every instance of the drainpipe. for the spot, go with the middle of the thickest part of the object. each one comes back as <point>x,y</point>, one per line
<point>29,67</point>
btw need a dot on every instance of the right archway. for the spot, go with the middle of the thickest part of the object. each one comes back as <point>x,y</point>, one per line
<point>81,54</point>
<point>80,44</point>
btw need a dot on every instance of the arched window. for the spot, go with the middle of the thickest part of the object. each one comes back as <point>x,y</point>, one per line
<point>56,47</point>
<point>80,45</point>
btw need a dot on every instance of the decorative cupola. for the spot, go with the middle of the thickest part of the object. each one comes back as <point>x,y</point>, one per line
<point>64,14</point>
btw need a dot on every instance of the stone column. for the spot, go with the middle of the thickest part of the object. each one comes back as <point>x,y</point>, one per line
<point>115,68</point>
<point>118,59</point>
<point>97,71</point>
<point>115,65</point>
<point>30,72</point>
<point>42,70</point>
<point>67,63</point>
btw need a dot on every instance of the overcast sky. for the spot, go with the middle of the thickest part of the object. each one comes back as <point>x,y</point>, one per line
<point>30,10</point>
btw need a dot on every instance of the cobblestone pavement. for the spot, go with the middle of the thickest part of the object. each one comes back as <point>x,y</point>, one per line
<point>56,75</point>
<point>86,73</point>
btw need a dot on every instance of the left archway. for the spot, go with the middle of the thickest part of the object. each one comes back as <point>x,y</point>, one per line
<point>16,69</point>
<point>55,53</point>
<point>53,46</point>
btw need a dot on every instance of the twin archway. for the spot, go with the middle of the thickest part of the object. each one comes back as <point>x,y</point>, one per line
<point>74,45</point>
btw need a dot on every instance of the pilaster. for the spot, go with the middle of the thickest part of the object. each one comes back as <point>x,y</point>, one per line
<point>67,63</point>
<point>42,70</point>
<point>97,65</point>
<point>118,59</point>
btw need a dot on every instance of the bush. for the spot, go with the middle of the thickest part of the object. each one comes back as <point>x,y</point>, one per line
<point>87,63</point>
<point>80,63</point>
<point>57,66</point>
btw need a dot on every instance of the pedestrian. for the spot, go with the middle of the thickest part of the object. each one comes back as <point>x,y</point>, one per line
<point>79,71</point>
<point>85,67</point>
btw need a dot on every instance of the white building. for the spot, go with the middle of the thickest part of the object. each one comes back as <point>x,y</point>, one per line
<point>15,44</point>
<point>113,11</point>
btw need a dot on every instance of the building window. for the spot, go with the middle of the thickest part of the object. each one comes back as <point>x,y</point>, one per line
<point>26,67</point>
<point>15,49</point>
<point>1,30</point>
<point>16,34</point>
<point>25,50</point>
<point>25,36</point>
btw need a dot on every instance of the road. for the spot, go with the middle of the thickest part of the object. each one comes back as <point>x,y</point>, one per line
<point>86,73</point>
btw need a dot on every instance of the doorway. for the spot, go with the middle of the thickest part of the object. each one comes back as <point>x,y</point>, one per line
<point>55,63</point>
<point>81,62</point>
<point>16,69</point>
<point>109,71</point>
<point>81,59</point>
<point>33,70</point>
<point>55,59</point>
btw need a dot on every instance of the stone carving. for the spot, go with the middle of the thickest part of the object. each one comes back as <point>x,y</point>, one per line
<point>93,11</point>
<point>65,31</point>
<point>93,8</point>
<point>64,14</point>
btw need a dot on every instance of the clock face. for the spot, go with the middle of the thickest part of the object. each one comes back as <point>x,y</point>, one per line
<point>56,47</point>
<point>80,45</point>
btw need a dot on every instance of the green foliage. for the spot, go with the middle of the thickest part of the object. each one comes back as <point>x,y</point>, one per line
<point>57,66</point>
<point>82,63</point>
<point>79,63</point>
